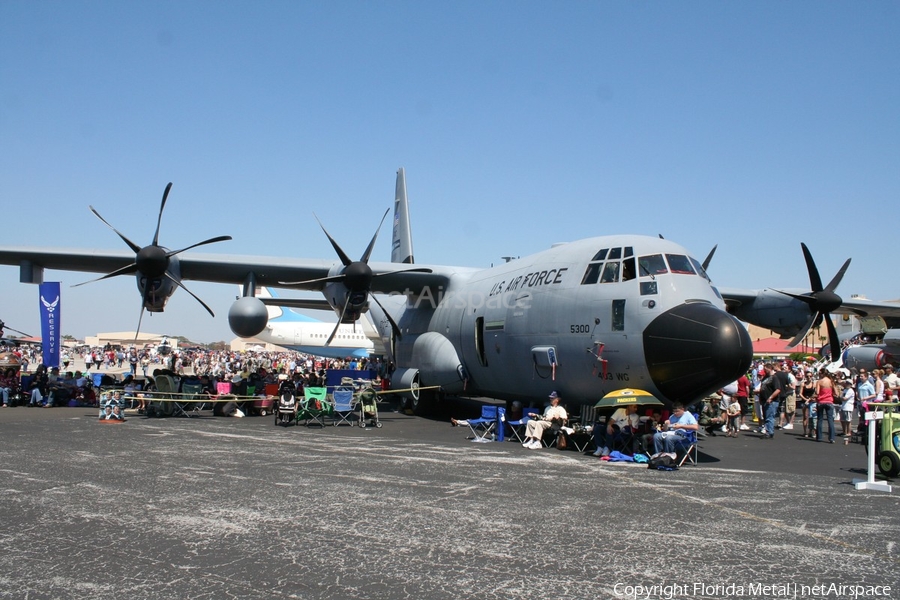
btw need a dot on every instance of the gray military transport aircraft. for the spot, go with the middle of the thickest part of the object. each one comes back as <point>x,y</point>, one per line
<point>581,318</point>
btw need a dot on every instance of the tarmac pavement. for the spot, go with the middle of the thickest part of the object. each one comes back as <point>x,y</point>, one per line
<point>216,507</point>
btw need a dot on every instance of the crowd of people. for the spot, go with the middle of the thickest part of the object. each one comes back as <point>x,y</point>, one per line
<point>48,387</point>
<point>774,395</point>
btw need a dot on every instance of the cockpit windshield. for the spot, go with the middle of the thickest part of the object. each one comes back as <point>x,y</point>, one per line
<point>652,265</point>
<point>679,263</point>
<point>700,269</point>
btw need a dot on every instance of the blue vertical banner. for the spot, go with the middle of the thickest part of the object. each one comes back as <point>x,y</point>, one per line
<point>51,337</point>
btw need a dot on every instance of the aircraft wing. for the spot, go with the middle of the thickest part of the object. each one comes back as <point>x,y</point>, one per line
<point>736,298</point>
<point>224,268</point>
<point>867,308</point>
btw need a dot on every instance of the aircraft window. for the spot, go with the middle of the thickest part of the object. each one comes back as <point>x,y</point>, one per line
<point>629,251</point>
<point>651,265</point>
<point>679,263</point>
<point>649,288</point>
<point>592,274</point>
<point>699,268</point>
<point>601,255</point>
<point>610,272</point>
<point>628,269</point>
<point>615,253</point>
<point>618,315</point>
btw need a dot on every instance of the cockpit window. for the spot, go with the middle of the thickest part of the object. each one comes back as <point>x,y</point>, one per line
<point>699,268</point>
<point>614,269</point>
<point>610,272</point>
<point>628,268</point>
<point>651,265</point>
<point>679,263</point>
<point>592,274</point>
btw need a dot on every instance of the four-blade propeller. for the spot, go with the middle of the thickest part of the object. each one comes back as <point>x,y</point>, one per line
<point>153,260</point>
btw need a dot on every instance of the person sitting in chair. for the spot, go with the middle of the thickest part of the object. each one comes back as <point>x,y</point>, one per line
<point>538,424</point>
<point>674,429</point>
<point>619,426</point>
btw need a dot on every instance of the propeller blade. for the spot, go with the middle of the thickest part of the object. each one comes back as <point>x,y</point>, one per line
<point>134,247</point>
<point>709,256</point>
<point>123,271</point>
<point>833,340</point>
<point>805,298</point>
<point>836,280</point>
<point>5,326</point>
<point>338,324</point>
<point>368,252</point>
<point>182,286</point>
<point>144,295</point>
<point>802,334</point>
<point>815,282</point>
<point>341,254</point>
<point>394,326</point>
<point>221,238</point>
<point>159,219</point>
<point>140,318</point>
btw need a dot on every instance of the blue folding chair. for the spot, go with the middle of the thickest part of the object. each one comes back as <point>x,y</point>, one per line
<point>517,427</point>
<point>688,445</point>
<point>344,405</point>
<point>484,426</point>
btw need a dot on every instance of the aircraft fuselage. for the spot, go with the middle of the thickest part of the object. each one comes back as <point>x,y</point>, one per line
<point>583,319</point>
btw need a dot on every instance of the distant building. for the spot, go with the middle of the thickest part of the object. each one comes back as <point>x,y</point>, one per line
<point>123,339</point>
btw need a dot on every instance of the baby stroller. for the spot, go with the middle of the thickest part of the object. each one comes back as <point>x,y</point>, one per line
<point>286,408</point>
<point>368,408</point>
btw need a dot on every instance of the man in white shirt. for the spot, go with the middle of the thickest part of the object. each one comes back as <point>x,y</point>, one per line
<point>538,424</point>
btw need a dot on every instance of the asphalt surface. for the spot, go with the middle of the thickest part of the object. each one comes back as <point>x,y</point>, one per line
<point>216,507</point>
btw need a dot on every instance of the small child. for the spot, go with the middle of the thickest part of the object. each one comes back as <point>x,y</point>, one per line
<point>734,416</point>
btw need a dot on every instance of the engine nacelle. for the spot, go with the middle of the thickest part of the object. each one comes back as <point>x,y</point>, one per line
<point>866,357</point>
<point>247,317</point>
<point>336,294</point>
<point>406,379</point>
<point>438,362</point>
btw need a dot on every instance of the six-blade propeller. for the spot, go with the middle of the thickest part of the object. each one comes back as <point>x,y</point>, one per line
<point>153,260</point>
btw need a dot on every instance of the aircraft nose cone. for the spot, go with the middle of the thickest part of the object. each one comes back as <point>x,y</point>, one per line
<point>694,349</point>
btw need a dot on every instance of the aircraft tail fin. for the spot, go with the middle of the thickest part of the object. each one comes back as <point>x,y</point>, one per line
<point>401,244</point>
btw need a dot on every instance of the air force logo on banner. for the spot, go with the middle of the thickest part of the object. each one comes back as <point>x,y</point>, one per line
<point>50,306</point>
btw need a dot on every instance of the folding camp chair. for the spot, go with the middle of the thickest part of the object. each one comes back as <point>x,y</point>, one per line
<point>344,405</point>
<point>517,426</point>
<point>187,405</point>
<point>688,445</point>
<point>314,406</point>
<point>485,425</point>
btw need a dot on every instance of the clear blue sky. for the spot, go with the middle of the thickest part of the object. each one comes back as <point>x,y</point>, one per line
<point>751,125</point>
